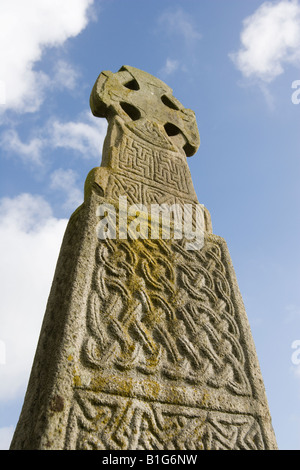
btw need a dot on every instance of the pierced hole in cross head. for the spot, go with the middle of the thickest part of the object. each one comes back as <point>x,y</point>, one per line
<point>189,149</point>
<point>166,100</point>
<point>132,85</point>
<point>171,129</point>
<point>131,110</point>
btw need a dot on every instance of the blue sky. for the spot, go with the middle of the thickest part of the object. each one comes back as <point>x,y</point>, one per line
<point>234,64</point>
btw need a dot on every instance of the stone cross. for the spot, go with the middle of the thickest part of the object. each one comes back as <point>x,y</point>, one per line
<point>145,343</point>
<point>137,96</point>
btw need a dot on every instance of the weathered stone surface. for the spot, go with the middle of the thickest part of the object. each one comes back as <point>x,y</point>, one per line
<point>145,344</point>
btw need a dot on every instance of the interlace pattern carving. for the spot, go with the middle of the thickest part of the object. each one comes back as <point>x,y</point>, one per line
<point>167,316</point>
<point>162,312</point>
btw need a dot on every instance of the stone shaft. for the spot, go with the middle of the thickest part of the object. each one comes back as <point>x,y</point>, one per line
<point>145,343</point>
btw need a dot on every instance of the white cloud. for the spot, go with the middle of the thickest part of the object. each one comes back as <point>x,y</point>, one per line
<point>29,152</point>
<point>30,239</point>
<point>65,75</point>
<point>2,92</point>
<point>6,434</point>
<point>270,39</point>
<point>84,137</point>
<point>170,67</point>
<point>65,181</point>
<point>26,29</point>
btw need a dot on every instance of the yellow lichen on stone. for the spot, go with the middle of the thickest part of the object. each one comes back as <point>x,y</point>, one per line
<point>77,381</point>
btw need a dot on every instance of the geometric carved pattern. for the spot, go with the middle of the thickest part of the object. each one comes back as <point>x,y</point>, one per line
<point>138,192</point>
<point>155,164</point>
<point>148,173</point>
<point>106,422</point>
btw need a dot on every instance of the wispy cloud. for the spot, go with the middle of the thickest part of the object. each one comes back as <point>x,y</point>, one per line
<point>84,137</point>
<point>29,152</point>
<point>65,75</point>
<point>170,66</point>
<point>270,39</point>
<point>177,22</point>
<point>179,27</point>
<point>41,25</point>
<point>65,182</point>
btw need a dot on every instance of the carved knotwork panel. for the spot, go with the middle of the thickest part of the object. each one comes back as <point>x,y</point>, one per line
<point>164,318</point>
<point>161,317</point>
<point>157,310</point>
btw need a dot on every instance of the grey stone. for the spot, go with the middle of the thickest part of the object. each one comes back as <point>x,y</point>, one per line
<point>145,344</point>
